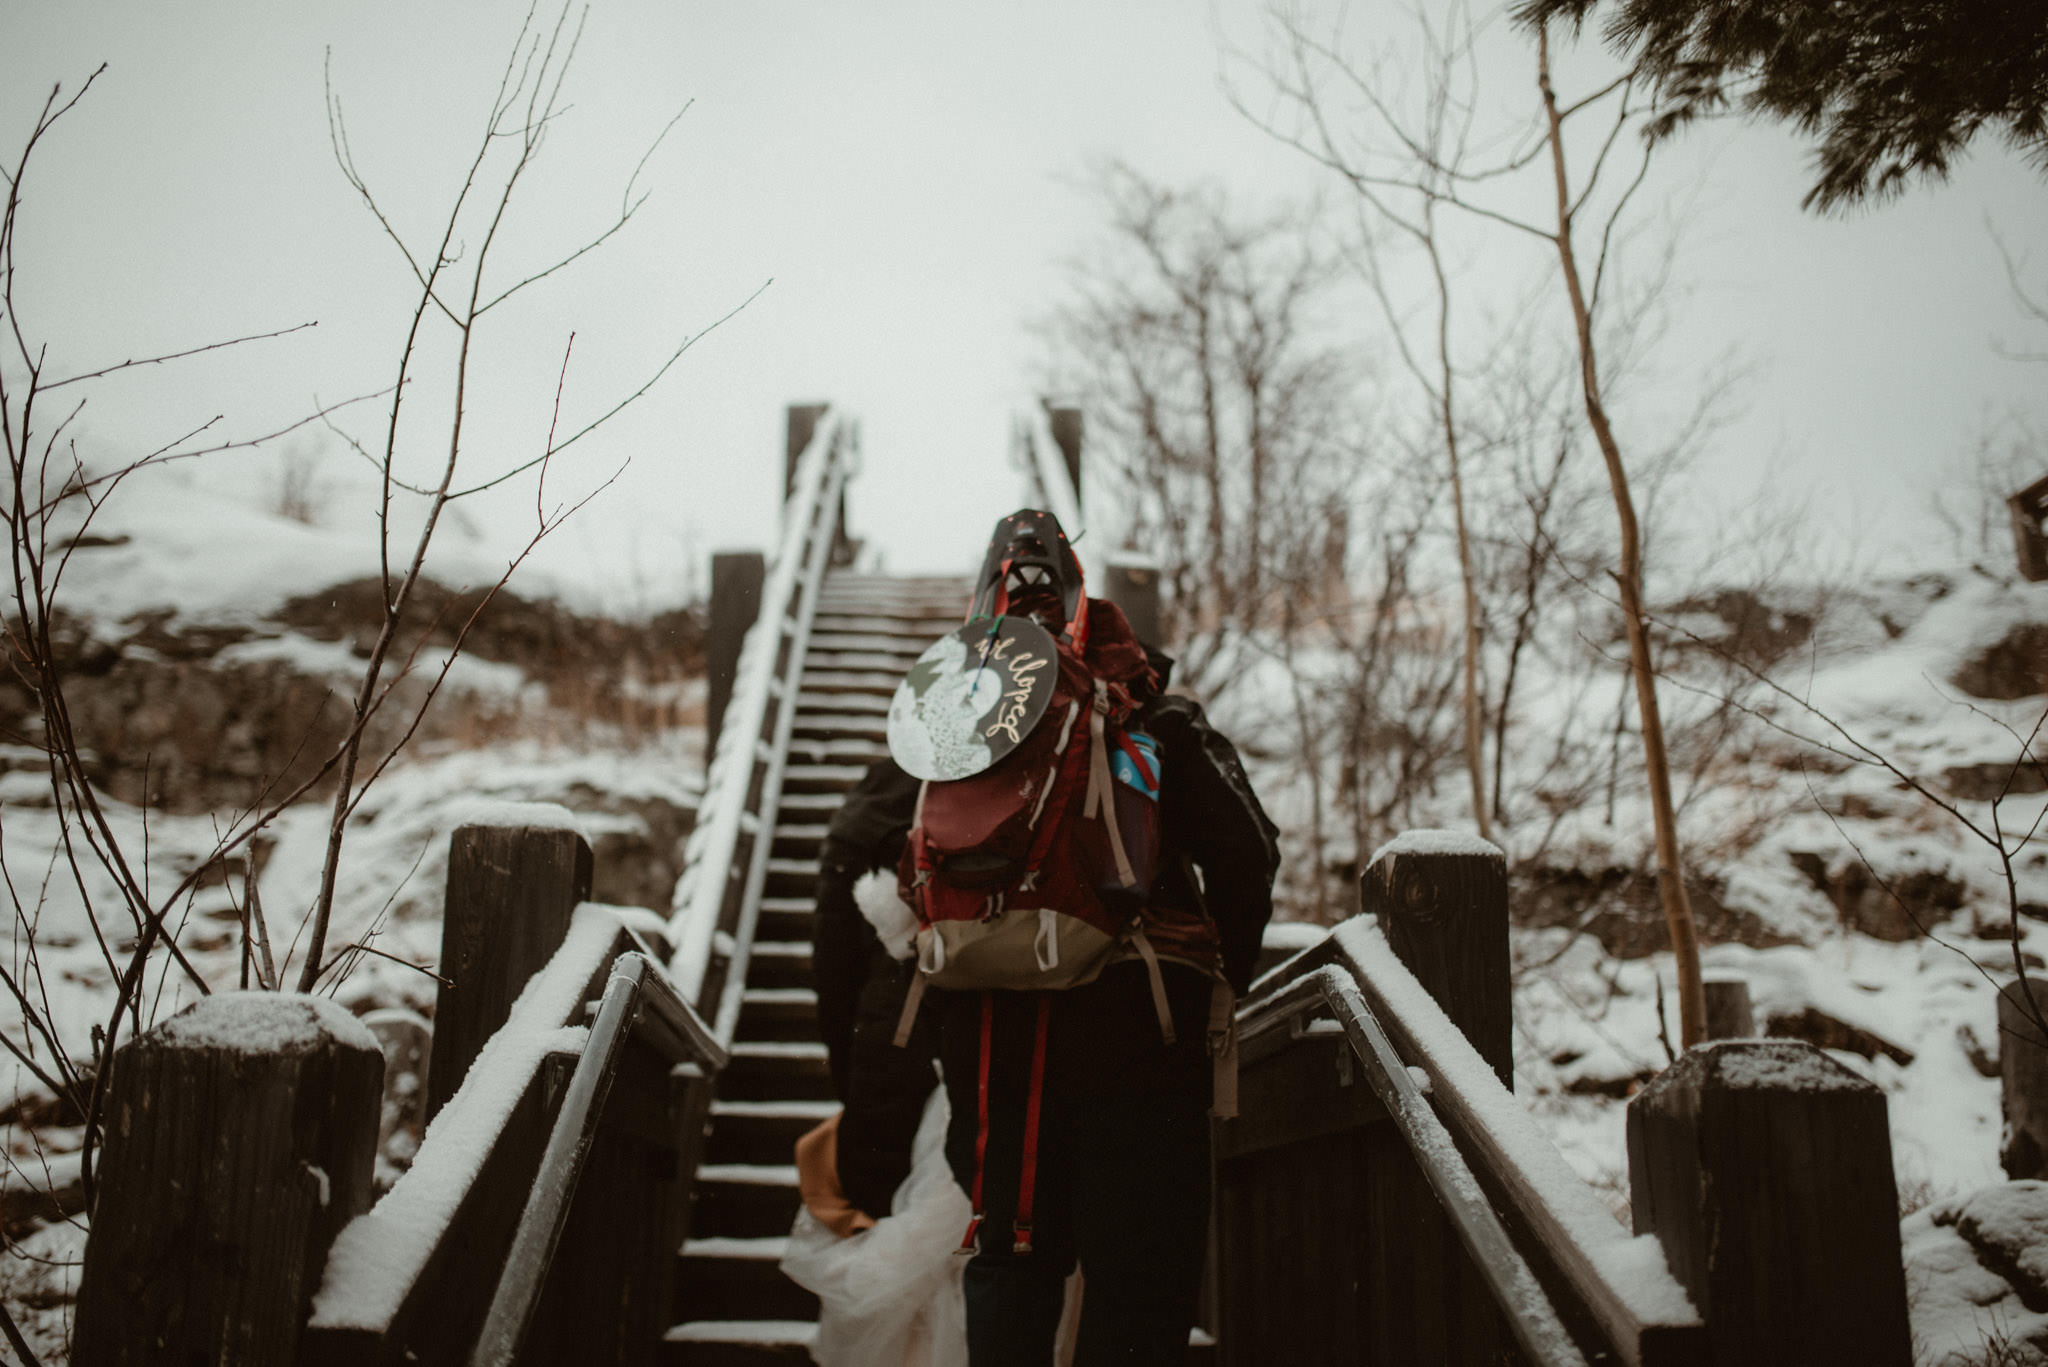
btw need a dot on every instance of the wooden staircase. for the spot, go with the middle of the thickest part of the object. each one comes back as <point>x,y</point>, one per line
<point>734,1306</point>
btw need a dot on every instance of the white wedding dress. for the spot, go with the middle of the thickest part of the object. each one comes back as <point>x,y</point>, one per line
<point>890,1296</point>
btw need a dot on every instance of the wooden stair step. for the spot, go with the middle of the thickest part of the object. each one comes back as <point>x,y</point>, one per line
<point>780,963</point>
<point>778,1014</point>
<point>784,920</point>
<point>834,779</point>
<point>740,1279</point>
<point>883,623</point>
<point>866,642</point>
<point>842,704</point>
<point>809,808</point>
<point>744,1200</point>
<point>836,681</point>
<point>791,878</point>
<point>762,1132</point>
<point>872,728</point>
<point>795,840</point>
<point>778,1071</point>
<point>835,749</point>
<point>737,1343</point>
<point>860,661</point>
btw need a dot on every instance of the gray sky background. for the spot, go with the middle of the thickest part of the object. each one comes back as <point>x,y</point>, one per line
<point>910,176</point>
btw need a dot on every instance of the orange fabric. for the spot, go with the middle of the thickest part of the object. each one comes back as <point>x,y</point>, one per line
<point>817,1180</point>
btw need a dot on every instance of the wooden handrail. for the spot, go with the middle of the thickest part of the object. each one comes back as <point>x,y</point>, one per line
<point>1046,477</point>
<point>1414,995</point>
<point>1639,1307</point>
<point>383,1283</point>
<point>1618,1280</point>
<point>1531,1317</point>
<point>637,999</point>
<point>726,858</point>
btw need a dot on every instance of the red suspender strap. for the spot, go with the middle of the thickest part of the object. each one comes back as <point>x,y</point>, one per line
<point>988,1023</point>
<point>1029,1179</point>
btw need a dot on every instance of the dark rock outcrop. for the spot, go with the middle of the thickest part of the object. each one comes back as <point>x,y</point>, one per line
<point>1894,909</point>
<point>164,721</point>
<point>2016,666</point>
<point>1757,634</point>
<point>1621,908</point>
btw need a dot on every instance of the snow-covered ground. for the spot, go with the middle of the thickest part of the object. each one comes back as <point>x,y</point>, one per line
<point>1869,764</point>
<point>1799,820</point>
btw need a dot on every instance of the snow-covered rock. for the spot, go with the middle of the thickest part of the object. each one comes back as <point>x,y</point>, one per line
<point>1977,1277</point>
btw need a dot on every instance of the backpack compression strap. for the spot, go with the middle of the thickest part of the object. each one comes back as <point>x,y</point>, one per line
<point>912,999</point>
<point>1223,1049</point>
<point>1159,1002</point>
<point>1100,794</point>
<point>1222,1027</point>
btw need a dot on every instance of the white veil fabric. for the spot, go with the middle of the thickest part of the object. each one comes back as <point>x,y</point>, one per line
<point>890,1296</point>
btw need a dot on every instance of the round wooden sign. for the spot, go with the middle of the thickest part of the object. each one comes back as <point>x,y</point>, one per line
<point>972,697</point>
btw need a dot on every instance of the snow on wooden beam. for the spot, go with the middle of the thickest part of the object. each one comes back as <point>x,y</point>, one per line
<point>1764,1168</point>
<point>512,887</point>
<point>241,1138</point>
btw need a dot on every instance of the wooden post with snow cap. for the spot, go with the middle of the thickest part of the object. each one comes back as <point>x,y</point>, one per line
<point>2023,1077</point>
<point>1764,1168</point>
<point>1068,427</point>
<point>514,879</point>
<point>240,1139</point>
<point>1442,899</point>
<point>1133,585</point>
<point>737,578</point>
<point>1729,1015</point>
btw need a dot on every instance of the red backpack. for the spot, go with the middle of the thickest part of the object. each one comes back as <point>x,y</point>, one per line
<point>1029,874</point>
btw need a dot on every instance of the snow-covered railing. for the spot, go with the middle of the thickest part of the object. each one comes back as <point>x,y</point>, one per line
<point>563,1159</point>
<point>1047,482</point>
<point>1765,1215</point>
<point>1330,992</point>
<point>1127,577</point>
<point>246,1129</point>
<point>638,1001</point>
<point>718,897</point>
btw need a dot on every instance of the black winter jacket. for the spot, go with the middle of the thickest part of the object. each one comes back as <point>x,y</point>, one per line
<point>1219,850</point>
<point>861,992</point>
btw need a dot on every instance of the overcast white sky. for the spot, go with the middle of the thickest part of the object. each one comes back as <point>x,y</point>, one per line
<point>909,177</point>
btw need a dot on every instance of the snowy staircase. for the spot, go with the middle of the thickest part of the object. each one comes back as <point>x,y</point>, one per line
<point>733,1304</point>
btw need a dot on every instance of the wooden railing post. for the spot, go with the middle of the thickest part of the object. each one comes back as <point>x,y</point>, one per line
<point>2023,1078</point>
<point>511,892</point>
<point>1334,1247</point>
<point>1134,587</point>
<point>241,1137</point>
<point>1068,426</point>
<point>1729,1015</point>
<point>1442,899</point>
<point>736,581</point>
<point>1764,1168</point>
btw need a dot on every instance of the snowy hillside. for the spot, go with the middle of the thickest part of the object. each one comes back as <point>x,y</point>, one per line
<point>213,647</point>
<point>1843,811</point>
<point>1848,854</point>
<point>1843,799</point>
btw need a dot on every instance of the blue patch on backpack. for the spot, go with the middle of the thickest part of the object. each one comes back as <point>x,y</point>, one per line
<point>1139,771</point>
